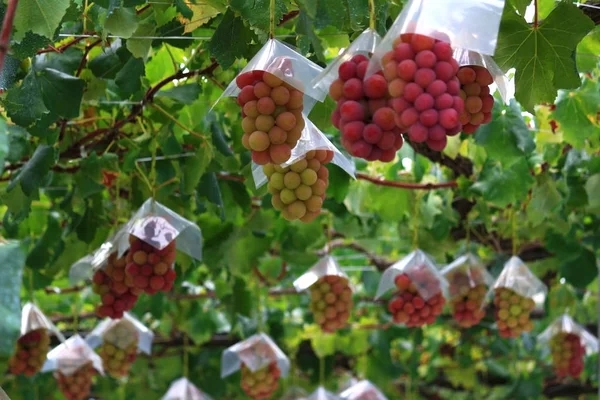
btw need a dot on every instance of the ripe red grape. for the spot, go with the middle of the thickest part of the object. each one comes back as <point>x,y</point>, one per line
<point>475,91</point>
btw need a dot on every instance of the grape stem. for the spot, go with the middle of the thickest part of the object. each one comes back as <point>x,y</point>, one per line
<point>535,14</point>
<point>7,25</point>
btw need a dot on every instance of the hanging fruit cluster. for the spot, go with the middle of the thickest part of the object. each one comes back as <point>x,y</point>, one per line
<point>418,300</point>
<point>119,348</point>
<point>272,116</point>
<point>331,302</point>
<point>77,385</point>
<point>117,294</point>
<point>567,354</point>
<point>363,115</point>
<point>260,384</point>
<point>298,191</point>
<point>512,312</point>
<point>466,300</point>
<point>422,82</point>
<point>475,84</point>
<point>30,353</point>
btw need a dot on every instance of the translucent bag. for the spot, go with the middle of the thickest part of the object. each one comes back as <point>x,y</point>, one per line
<point>183,389</point>
<point>469,57</point>
<point>159,226</point>
<point>323,394</point>
<point>518,277</point>
<point>468,24</point>
<point>312,139</point>
<point>256,353</point>
<point>363,390</point>
<point>122,333</point>
<point>566,324</point>
<point>326,266</point>
<point>32,319</point>
<point>84,268</point>
<point>294,393</point>
<point>364,44</point>
<point>71,355</point>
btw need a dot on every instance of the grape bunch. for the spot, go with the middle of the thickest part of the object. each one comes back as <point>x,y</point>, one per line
<point>331,302</point>
<point>418,300</point>
<point>30,353</point>
<point>475,92</point>
<point>77,385</point>
<point>272,116</point>
<point>567,354</point>
<point>363,115</point>
<point>466,301</point>
<point>299,190</point>
<point>512,312</point>
<point>149,269</point>
<point>117,294</point>
<point>119,348</point>
<point>424,89</point>
<point>260,384</point>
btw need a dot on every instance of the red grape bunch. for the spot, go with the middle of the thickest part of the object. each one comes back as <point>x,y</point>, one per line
<point>117,294</point>
<point>77,385</point>
<point>512,312</point>
<point>272,116</point>
<point>424,89</point>
<point>30,354</point>
<point>567,354</point>
<point>363,114</point>
<point>148,268</point>
<point>260,384</point>
<point>466,299</point>
<point>298,191</point>
<point>331,302</point>
<point>119,348</point>
<point>475,84</point>
<point>418,300</point>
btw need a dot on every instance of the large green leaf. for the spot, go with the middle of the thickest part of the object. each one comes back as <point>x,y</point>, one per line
<point>24,104</point>
<point>588,50</point>
<point>39,16</point>
<point>33,173</point>
<point>504,185</point>
<point>12,260</point>
<point>229,40</point>
<point>61,93</point>
<point>542,55</point>
<point>257,12</point>
<point>194,167</point>
<point>121,22</point>
<point>545,200</point>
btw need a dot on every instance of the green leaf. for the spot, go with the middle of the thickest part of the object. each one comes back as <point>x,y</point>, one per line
<point>35,171</point>
<point>576,263</point>
<point>305,30</point>
<point>139,48</point>
<point>323,345</point>
<point>504,185</point>
<point>67,61</point>
<point>209,188</point>
<point>576,113</point>
<point>257,12</point>
<point>4,144</point>
<point>183,8</point>
<point>39,16</point>
<point>193,169</point>
<point>128,79</point>
<point>592,188</point>
<point>24,104</point>
<point>543,55</point>
<point>12,260</point>
<point>507,136</point>
<point>61,93</point>
<point>9,72</point>
<point>520,5</point>
<point>121,22</point>
<point>185,94</point>
<point>107,64</point>
<point>48,246</point>
<point>218,139</point>
<point>229,40</point>
<point>588,50</point>
<point>545,200</point>
<point>17,202</point>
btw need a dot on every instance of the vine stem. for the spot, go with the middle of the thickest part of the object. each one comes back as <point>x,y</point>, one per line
<point>322,371</point>
<point>185,355</point>
<point>272,19</point>
<point>514,231</point>
<point>535,14</point>
<point>416,220</point>
<point>372,14</point>
<point>7,26</point>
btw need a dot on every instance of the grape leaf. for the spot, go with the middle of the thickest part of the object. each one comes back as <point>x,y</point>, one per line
<point>29,45</point>
<point>576,113</point>
<point>61,93</point>
<point>520,5</point>
<point>121,22</point>
<point>39,16</point>
<point>34,172</point>
<point>507,136</point>
<point>592,188</point>
<point>9,72</point>
<point>305,30</point>
<point>139,48</point>
<point>12,260</point>
<point>185,94</point>
<point>545,199</point>
<point>128,79</point>
<point>66,62</point>
<point>202,14</point>
<point>183,8</point>
<point>4,143</point>
<point>504,185</point>
<point>193,169</point>
<point>47,246</point>
<point>229,40</point>
<point>257,12</point>
<point>542,55</point>
<point>588,50</point>
<point>576,263</point>
<point>24,104</point>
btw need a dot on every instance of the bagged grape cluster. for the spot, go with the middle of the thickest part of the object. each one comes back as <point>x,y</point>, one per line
<point>119,348</point>
<point>424,90</point>
<point>475,92</point>
<point>77,385</point>
<point>568,354</point>
<point>465,301</point>
<point>418,300</point>
<point>116,289</point>
<point>272,116</point>
<point>363,115</point>
<point>512,312</point>
<point>298,191</point>
<point>261,384</point>
<point>331,302</point>
<point>30,353</point>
